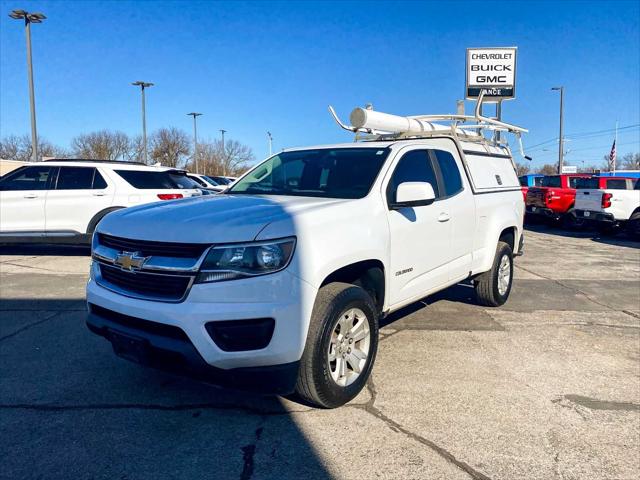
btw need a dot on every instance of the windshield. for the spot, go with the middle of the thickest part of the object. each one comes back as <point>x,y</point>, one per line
<point>329,173</point>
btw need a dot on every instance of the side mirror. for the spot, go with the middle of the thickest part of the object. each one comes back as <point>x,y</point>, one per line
<point>414,194</point>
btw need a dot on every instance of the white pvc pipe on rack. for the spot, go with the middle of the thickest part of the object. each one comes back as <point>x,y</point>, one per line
<point>370,119</point>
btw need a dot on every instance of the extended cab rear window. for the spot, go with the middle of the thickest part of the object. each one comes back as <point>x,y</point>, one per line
<point>147,180</point>
<point>584,183</point>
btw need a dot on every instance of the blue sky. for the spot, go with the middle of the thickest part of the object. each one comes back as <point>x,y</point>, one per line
<point>257,66</point>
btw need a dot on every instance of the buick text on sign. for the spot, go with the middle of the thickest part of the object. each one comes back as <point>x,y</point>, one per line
<point>492,70</point>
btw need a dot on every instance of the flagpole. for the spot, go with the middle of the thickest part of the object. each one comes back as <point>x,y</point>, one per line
<point>616,143</point>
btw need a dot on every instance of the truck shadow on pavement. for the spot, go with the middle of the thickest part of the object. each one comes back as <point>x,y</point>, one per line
<point>619,240</point>
<point>46,250</point>
<point>69,408</point>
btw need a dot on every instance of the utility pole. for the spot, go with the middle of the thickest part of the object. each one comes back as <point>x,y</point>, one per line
<point>224,155</point>
<point>270,142</point>
<point>142,86</point>
<point>195,139</point>
<point>561,138</point>
<point>30,18</point>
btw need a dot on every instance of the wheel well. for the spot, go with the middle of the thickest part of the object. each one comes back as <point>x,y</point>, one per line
<point>508,236</point>
<point>368,274</point>
<point>99,216</point>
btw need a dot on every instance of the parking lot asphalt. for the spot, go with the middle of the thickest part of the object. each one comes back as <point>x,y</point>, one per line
<point>548,386</point>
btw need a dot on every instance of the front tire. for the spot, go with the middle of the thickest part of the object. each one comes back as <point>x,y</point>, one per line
<point>341,346</point>
<point>493,287</point>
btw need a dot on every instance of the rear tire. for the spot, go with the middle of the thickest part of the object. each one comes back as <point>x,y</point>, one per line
<point>608,230</point>
<point>571,222</point>
<point>493,287</point>
<point>344,321</point>
<point>633,226</point>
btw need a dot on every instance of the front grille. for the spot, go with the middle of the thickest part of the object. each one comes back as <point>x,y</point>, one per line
<point>148,248</point>
<point>149,285</point>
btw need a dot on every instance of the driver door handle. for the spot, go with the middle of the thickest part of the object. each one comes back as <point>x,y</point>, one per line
<point>99,194</point>
<point>444,217</point>
<point>31,195</point>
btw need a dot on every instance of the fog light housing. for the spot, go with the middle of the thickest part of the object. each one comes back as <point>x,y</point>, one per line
<point>241,335</point>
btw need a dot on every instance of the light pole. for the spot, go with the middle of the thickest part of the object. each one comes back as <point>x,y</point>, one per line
<point>270,142</point>
<point>30,18</point>
<point>142,86</point>
<point>224,154</point>
<point>195,139</point>
<point>561,138</point>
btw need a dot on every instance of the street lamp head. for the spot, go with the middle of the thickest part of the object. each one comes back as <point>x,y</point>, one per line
<point>557,88</point>
<point>194,114</point>
<point>18,14</point>
<point>36,17</point>
<point>140,83</point>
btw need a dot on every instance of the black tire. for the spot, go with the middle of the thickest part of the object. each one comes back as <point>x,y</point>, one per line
<point>486,284</point>
<point>633,226</point>
<point>315,384</point>
<point>571,222</point>
<point>608,229</point>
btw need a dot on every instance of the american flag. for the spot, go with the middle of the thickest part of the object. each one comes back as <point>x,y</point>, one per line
<point>612,157</point>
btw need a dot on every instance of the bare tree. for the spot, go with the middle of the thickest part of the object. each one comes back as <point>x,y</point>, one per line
<point>15,147</point>
<point>135,152</point>
<point>235,157</point>
<point>548,169</point>
<point>631,161</point>
<point>522,169</point>
<point>170,146</point>
<point>101,145</point>
<point>212,160</point>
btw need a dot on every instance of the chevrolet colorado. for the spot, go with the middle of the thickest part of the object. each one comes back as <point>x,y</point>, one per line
<point>279,283</point>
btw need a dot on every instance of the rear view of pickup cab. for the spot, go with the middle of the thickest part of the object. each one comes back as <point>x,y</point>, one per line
<point>612,208</point>
<point>553,198</point>
<point>279,283</point>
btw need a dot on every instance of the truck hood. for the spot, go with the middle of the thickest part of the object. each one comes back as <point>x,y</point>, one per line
<point>210,219</point>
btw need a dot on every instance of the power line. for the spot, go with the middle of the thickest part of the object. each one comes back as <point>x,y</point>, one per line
<point>582,135</point>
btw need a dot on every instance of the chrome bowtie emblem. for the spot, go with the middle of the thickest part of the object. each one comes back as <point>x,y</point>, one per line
<point>130,261</point>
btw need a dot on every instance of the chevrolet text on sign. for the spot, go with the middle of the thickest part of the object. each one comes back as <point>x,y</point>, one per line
<point>492,70</point>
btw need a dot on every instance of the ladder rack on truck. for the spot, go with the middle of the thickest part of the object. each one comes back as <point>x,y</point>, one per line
<point>381,126</point>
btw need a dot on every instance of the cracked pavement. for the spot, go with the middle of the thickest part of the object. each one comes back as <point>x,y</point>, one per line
<point>546,387</point>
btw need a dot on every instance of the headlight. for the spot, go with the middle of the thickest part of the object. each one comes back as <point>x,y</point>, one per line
<point>230,262</point>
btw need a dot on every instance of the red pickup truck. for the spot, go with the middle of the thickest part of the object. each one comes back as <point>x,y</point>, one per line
<point>554,197</point>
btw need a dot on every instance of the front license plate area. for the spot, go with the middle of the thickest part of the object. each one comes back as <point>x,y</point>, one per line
<point>129,347</point>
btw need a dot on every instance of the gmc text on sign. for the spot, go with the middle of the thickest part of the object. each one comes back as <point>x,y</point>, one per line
<point>492,70</point>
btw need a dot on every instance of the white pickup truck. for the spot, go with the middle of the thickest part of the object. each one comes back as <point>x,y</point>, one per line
<point>611,210</point>
<point>279,283</point>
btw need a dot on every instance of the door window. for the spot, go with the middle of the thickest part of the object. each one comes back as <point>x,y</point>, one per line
<point>414,166</point>
<point>26,178</point>
<point>78,178</point>
<point>451,178</point>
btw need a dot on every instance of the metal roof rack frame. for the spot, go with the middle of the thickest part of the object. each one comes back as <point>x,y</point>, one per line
<point>458,128</point>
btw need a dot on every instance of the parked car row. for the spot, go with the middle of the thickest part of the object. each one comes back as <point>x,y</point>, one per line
<point>63,200</point>
<point>610,204</point>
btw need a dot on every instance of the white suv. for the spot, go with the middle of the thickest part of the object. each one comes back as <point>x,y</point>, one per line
<point>63,200</point>
<point>278,284</point>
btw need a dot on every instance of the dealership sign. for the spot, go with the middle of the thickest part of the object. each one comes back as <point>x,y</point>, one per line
<point>492,71</point>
